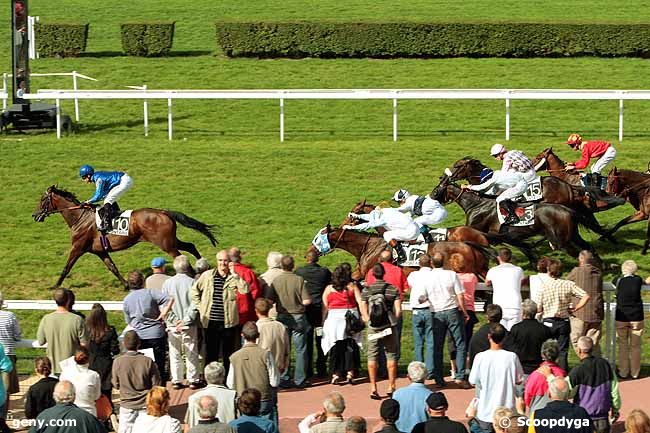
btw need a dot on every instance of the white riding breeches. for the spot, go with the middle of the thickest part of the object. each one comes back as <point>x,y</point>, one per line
<point>118,191</point>
<point>407,234</point>
<point>435,217</point>
<point>602,162</point>
<point>513,192</point>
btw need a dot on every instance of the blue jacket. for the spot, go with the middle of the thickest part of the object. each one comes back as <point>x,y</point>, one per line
<point>104,182</point>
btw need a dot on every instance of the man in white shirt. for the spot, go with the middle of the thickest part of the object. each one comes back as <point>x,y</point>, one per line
<point>446,297</point>
<point>495,373</point>
<point>506,280</point>
<point>421,313</point>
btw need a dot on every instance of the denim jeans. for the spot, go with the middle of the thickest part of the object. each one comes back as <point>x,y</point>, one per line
<point>269,408</point>
<point>476,426</point>
<point>442,321</point>
<point>423,337</point>
<point>298,329</point>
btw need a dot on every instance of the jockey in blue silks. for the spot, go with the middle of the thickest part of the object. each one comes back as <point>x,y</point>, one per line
<point>109,186</point>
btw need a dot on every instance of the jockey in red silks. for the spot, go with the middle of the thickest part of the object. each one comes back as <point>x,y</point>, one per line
<point>603,150</point>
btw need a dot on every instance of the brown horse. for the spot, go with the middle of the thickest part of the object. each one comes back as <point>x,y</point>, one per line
<point>454,234</point>
<point>549,161</point>
<point>150,225</point>
<point>366,248</point>
<point>634,187</point>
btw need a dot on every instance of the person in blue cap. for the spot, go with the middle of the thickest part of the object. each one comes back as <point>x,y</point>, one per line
<point>158,276</point>
<point>109,186</point>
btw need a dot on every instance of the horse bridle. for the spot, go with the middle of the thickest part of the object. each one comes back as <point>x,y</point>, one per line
<point>341,236</point>
<point>49,212</point>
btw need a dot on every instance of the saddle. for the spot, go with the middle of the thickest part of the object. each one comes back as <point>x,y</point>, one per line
<point>595,180</point>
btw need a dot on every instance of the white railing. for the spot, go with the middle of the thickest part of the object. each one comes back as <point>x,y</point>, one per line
<point>393,95</point>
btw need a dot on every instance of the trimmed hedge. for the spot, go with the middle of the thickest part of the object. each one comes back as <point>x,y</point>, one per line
<point>386,40</point>
<point>148,39</point>
<point>61,39</point>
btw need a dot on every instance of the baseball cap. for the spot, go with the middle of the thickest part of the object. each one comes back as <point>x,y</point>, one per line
<point>437,401</point>
<point>389,409</point>
<point>158,262</point>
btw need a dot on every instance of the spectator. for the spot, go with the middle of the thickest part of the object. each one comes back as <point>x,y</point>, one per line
<point>157,419</point>
<point>103,345</point>
<point>316,279</point>
<point>250,421</point>
<point>422,320</point>
<point>496,374</point>
<point>87,383</point>
<point>6,366</point>
<point>507,421</point>
<point>158,277</point>
<point>554,303</point>
<point>446,296</point>
<point>182,332</point>
<point>273,335</point>
<point>629,320</point>
<point>637,422</point>
<point>559,408</point>
<point>341,296</point>
<point>291,297</point>
<point>143,310</point>
<point>526,339</point>
<point>506,280</point>
<point>438,422</point>
<point>330,418</point>
<point>536,391</point>
<point>389,413</point>
<point>77,419</point>
<point>40,396</point>
<point>215,375</point>
<point>537,281</point>
<point>207,408</point>
<point>10,334</point>
<point>200,267</point>
<point>356,424</point>
<point>245,301</point>
<point>589,319</point>
<point>412,398</point>
<point>380,307</point>
<point>273,269</point>
<point>71,301</point>
<point>479,341</point>
<point>214,295</point>
<point>133,375</point>
<point>594,386</point>
<point>469,282</point>
<point>254,367</point>
<point>62,330</point>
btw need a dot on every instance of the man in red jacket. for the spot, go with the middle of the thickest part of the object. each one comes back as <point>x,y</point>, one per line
<point>603,150</point>
<point>245,303</point>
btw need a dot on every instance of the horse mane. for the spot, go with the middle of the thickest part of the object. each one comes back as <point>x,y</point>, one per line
<point>65,194</point>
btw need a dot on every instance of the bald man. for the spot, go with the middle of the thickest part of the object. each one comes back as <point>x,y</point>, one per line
<point>559,408</point>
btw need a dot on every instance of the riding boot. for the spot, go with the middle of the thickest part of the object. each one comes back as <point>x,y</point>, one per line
<point>116,209</point>
<point>401,255</point>
<point>105,215</point>
<point>426,235</point>
<point>510,207</point>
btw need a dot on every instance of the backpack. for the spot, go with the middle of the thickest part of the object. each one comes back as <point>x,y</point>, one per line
<point>378,309</point>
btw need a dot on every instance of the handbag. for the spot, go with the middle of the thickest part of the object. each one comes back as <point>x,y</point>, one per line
<point>353,323</point>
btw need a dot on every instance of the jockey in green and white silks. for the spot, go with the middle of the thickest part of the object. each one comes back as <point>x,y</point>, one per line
<point>425,210</point>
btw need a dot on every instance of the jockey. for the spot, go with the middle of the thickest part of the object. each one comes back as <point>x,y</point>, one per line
<point>500,180</point>
<point>399,227</point>
<point>427,211</point>
<point>602,150</point>
<point>109,186</point>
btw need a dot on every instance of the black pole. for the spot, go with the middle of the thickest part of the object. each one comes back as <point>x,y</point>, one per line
<point>19,52</point>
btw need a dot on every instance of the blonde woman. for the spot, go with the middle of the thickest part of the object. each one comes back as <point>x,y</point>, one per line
<point>157,419</point>
<point>637,422</point>
<point>629,320</point>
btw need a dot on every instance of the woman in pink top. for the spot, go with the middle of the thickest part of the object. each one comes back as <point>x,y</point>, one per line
<point>469,282</point>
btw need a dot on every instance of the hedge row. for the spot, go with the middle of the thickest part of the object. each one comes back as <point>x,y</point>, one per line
<point>385,40</point>
<point>149,39</point>
<point>61,39</point>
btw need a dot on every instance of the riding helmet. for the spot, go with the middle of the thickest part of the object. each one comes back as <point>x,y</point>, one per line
<point>400,195</point>
<point>574,140</point>
<point>86,170</point>
<point>497,149</point>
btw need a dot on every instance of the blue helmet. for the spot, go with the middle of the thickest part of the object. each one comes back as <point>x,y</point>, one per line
<point>86,170</point>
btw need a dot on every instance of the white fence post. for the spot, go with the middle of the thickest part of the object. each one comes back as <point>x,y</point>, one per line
<point>76,101</point>
<point>146,112</point>
<point>394,119</point>
<point>281,120</point>
<point>58,118</point>
<point>169,118</point>
<point>4,87</point>
<point>620,120</point>
<point>508,117</point>
<point>31,37</point>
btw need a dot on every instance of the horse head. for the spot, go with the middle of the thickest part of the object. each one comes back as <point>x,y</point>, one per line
<point>540,162</point>
<point>614,184</point>
<point>45,206</point>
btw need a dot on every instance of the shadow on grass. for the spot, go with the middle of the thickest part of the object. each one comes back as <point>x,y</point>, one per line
<point>188,53</point>
<point>128,124</point>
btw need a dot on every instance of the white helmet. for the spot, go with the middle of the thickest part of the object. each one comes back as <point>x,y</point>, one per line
<point>400,195</point>
<point>497,149</point>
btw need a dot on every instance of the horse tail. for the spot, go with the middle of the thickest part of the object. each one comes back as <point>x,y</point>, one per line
<point>489,253</point>
<point>191,223</point>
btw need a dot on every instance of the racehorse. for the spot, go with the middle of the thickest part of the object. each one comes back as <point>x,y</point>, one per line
<point>585,201</point>
<point>555,222</point>
<point>366,248</point>
<point>634,187</point>
<point>549,161</point>
<point>150,225</point>
<point>454,234</point>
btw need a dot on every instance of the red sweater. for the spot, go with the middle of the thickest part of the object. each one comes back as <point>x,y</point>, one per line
<point>591,149</point>
<point>537,386</point>
<point>246,303</point>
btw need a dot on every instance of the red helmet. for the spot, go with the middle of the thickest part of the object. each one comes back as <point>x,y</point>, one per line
<point>574,140</point>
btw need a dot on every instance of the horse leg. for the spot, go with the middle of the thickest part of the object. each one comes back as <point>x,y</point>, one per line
<point>74,255</point>
<point>588,220</point>
<point>634,218</point>
<point>112,267</point>
<point>189,247</point>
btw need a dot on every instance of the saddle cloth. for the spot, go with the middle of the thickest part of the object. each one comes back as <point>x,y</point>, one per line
<point>414,249</point>
<point>525,212</point>
<point>119,225</point>
<point>534,191</point>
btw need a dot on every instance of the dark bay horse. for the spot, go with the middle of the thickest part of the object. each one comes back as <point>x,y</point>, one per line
<point>366,248</point>
<point>454,234</point>
<point>149,225</point>
<point>634,187</point>
<point>555,222</point>
<point>549,161</point>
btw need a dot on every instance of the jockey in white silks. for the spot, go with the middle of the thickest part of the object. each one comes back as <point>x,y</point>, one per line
<point>500,181</point>
<point>427,211</point>
<point>399,227</point>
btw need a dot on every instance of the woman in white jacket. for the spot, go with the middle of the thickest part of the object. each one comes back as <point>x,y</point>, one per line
<point>87,383</point>
<point>157,419</point>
